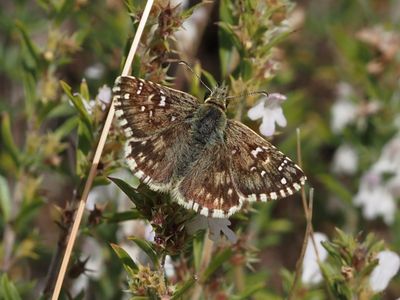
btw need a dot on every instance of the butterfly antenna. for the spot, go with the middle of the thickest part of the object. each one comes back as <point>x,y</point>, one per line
<point>195,74</point>
<point>250,94</point>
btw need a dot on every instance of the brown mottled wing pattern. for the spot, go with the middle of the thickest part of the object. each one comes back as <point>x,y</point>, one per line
<point>260,171</point>
<point>152,117</point>
<point>145,108</point>
<point>208,187</point>
<point>154,159</point>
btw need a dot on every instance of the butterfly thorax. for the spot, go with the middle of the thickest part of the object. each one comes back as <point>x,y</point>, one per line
<point>208,124</point>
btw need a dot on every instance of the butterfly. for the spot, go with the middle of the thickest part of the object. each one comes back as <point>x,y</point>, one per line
<point>207,162</point>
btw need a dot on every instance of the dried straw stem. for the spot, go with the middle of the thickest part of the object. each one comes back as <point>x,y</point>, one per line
<point>96,159</point>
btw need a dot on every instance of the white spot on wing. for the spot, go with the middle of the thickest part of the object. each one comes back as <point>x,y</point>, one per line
<point>218,213</point>
<point>162,102</point>
<point>204,211</point>
<point>283,180</point>
<point>119,113</point>
<point>255,152</point>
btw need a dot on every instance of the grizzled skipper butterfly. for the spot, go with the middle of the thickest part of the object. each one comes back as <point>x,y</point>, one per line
<point>208,163</point>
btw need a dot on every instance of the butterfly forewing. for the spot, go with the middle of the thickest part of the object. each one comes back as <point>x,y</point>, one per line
<point>208,187</point>
<point>145,108</point>
<point>260,171</point>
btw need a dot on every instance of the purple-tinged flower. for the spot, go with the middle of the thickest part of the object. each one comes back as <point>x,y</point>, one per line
<point>387,268</point>
<point>270,111</point>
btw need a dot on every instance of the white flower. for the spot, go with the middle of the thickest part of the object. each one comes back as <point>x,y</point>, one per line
<point>103,98</point>
<point>270,110</point>
<point>344,111</point>
<point>345,160</point>
<point>215,225</point>
<point>387,268</point>
<point>375,198</point>
<point>376,195</point>
<point>389,160</point>
<point>311,271</point>
<point>95,71</point>
<point>188,33</point>
<point>169,268</point>
<point>104,95</point>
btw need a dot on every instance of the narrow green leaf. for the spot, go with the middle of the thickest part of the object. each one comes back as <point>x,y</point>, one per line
<point>147,248</point>
<point>66,128</point>
<point>8,291</point>
<point>138,199</point>
<point>5,199</point>
<point>78,104</point>
<point>8,140</point>
<point>84,90</point>
<point>210,79</point>
<point>216,262</point>
<point>127,261</point>
<point>123,216</point>
<point>197,251</point>
<point>181,290</point>
<point>32,49</point>
<point>249,291</point>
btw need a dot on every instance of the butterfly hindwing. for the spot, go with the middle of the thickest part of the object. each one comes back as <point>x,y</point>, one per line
<point>260,171</point>
<point>208,187</point>
<point>145,108</point>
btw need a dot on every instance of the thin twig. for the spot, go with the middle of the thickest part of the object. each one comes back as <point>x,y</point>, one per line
<point>309,229</point>
<point>97,156</point>
<point>205,261</point>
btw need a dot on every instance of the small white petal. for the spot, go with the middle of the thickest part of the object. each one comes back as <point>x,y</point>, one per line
<point>311,272</point>
<point>387,268</point>
<point>169,267</point>
<point>256,112</point>
<point>345,160</point>
<point>279,117</point>
<point>267,127</point>
<point>104,94</point>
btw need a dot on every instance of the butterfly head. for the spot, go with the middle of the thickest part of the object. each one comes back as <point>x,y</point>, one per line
<point>218,97</point>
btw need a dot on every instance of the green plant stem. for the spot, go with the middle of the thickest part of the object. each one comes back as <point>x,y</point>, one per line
<point>206,257</point>
<point>239,278</point>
